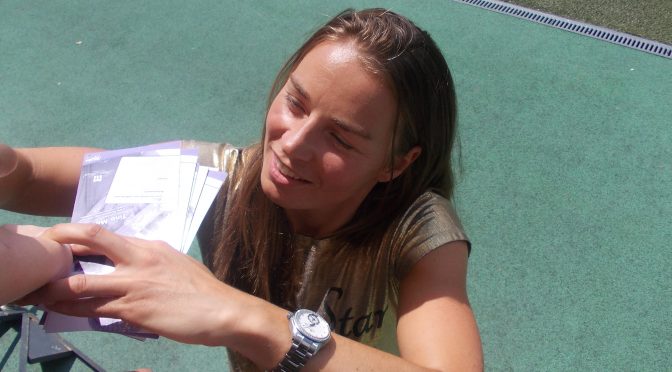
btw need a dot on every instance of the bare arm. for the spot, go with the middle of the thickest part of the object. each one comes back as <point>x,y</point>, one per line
<point>40,181</point>
<point>152,282</point>
<point>436,329</point>
<point>434,306</point>
<point>29,261</point>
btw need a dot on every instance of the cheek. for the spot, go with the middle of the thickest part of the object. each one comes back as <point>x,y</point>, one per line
<point>270,131</point>
<point>334,166</point>
<point>276,122</point>
<point>345,173</point>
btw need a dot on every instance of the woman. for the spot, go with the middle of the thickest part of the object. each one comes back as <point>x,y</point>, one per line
<point>340,215</point>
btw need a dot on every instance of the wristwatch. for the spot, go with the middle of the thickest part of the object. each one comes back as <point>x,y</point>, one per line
<point>309,333</point>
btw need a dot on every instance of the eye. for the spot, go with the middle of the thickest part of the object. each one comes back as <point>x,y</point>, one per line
<point>341,142</point>
<point>294,104</point>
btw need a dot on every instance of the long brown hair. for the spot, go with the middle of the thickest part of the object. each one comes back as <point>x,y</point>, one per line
<point>253,242</point>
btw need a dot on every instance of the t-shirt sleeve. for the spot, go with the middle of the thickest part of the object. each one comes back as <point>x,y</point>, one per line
<point>211,154</point>
<point>429,223</point>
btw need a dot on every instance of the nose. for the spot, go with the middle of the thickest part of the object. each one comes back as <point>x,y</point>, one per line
<point>298,141</point>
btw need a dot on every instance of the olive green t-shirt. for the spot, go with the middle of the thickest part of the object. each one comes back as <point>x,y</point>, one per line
<point>357,295</point>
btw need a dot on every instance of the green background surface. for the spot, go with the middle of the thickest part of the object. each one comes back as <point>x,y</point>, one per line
<point>565,188</point>
<point>650,19</point>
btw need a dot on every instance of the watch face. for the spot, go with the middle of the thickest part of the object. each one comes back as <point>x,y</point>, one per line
<point>312,325</point>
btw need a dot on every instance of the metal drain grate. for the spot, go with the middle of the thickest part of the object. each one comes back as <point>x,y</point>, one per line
<point>596,32</point>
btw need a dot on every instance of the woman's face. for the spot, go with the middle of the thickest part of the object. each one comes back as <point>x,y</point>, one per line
<point>328,138</point>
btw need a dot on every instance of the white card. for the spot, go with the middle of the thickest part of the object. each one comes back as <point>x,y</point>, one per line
<point>146,179</point>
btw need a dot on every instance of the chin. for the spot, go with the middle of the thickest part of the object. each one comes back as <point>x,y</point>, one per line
<point>274,195</point>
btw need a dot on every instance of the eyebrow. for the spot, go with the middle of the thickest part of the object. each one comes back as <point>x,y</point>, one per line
<point>361,132</point>
<point>345,126</point>
<point>299,88</point>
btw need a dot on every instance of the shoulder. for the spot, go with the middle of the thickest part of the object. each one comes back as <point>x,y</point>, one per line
<point>431,215</point>
<point>429,223</point>
<point>431,202</point>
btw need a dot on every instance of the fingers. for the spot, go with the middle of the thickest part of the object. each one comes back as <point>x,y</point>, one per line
<point>88,307</point>
<point>92,239</point>
<point>83,250</point>
<point>37,231</point>
<point>77,287</point>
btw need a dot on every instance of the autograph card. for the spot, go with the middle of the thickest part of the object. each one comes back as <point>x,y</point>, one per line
<point>156,192</point>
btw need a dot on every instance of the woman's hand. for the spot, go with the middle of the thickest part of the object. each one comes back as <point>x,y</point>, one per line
<point>161,290</point>
<point>153,286</point>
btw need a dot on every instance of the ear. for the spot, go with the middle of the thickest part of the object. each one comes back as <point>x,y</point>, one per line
<point>401,163</point>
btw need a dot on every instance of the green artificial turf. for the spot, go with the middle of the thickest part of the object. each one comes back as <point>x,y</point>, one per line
<point>650,19</point>
<point>566,145</point>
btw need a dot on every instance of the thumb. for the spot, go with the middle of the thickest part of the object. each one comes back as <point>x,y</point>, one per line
<point>8,160</point>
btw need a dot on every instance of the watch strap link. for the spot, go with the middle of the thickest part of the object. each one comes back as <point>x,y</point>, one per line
<point>295,359</point>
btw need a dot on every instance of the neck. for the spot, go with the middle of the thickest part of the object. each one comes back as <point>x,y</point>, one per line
<point>315,224</point>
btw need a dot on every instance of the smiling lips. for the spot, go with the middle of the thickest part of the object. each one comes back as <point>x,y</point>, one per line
<point>285,171</point>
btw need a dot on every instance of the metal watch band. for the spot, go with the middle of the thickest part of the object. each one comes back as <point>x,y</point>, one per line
<point>295,359</point>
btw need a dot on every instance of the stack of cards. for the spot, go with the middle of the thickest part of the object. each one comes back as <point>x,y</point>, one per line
<point>155,192</point>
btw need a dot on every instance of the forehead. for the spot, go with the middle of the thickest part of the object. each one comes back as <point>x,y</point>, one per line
<point>335,80</point>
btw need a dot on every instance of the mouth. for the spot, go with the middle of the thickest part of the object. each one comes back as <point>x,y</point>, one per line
<point>286,172</point>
